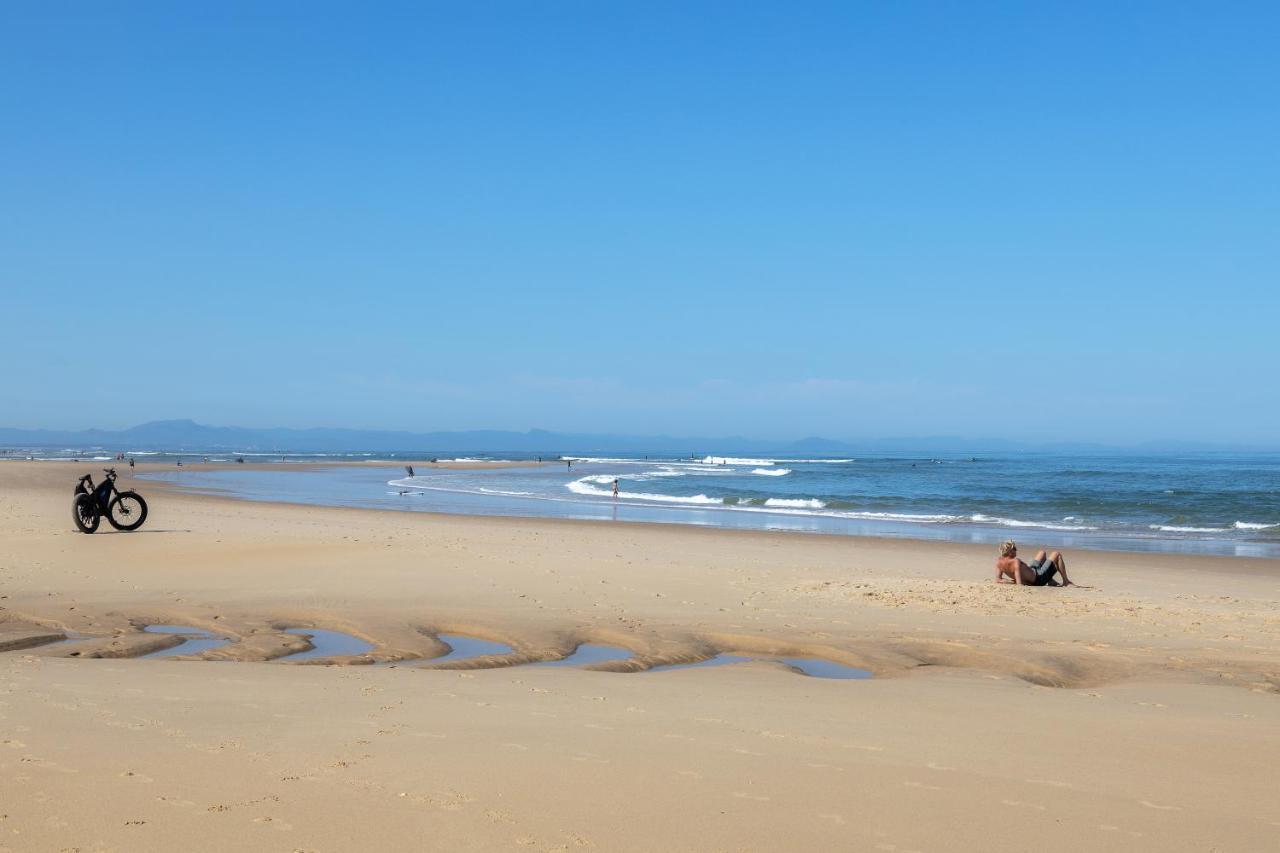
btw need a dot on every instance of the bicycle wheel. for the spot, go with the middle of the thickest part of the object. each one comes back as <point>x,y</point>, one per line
<point>127,511</point>
<point>85,513</point>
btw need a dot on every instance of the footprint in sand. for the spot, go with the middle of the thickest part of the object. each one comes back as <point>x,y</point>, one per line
<point>1020,803</point>
<point>1160,807</point>
<point>133,776</point>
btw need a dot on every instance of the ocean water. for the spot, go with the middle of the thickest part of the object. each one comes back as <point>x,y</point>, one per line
<point>1212,503</point>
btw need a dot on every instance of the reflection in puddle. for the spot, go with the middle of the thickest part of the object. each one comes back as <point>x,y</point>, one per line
<point>590,653</point>
<point>194,640</point>
<point>819,668</point>
<point>718,660</point>
<point>469,647</point>
<point>327,644</point>
<point>815,667</point>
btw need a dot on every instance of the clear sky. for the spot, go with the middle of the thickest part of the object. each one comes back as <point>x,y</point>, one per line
<point>1032,221</point>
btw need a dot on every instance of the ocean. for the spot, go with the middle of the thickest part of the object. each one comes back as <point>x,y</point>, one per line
<point>1209,503</point>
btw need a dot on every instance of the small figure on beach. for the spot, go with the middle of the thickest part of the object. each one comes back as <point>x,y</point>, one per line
<point>409,469</point>
<point>130,463</point>
<point>1039,572</point>
<point>569,463</point>
<point>615,487</point>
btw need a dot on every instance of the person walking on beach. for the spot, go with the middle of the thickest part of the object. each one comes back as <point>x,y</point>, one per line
<point>1040,572</point>
<point>615,488</point>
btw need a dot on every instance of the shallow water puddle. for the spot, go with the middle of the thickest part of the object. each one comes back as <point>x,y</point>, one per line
<point>194,640</point>
<point>590,653</point>
<point>327,644</point>
<point>469,647</point>
<point>819,668</point>
<point>718,660</point>
<point>814,667</point>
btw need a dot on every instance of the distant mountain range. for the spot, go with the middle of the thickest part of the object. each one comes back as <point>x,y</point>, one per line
<point>187,435</point>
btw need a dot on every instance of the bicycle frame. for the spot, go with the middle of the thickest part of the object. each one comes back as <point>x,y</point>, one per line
<point>101,493</point>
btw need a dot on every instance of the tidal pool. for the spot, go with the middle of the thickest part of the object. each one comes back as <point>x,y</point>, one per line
<point>194,640</point>
<point>327,644</point>
<point>590,653</point>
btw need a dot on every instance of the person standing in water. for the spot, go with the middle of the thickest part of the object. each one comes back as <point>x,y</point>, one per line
<point>615,488</point>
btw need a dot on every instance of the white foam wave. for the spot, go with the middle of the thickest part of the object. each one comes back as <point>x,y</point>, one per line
<point>1252,525</point>
<point>734,460</point>
<point>1017,522</point>
<point>771,472</point>
<point>1175,528</point>
<point>586,486</point>
<point>796,503</point>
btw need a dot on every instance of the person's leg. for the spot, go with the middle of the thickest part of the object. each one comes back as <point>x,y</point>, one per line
<point>1061,563</point>
<point>1040,555</point>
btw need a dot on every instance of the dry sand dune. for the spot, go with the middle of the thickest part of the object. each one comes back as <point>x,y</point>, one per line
<point>1139,715</point>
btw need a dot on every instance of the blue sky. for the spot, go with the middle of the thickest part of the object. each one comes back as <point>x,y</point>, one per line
<point>774,220</point>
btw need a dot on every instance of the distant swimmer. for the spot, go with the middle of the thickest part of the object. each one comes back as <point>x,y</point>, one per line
<point>615,487</point>
<point>408,468</point>
<point>1039,572</point>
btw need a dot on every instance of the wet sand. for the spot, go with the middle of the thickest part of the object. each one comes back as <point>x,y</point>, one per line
<point>1139,715</point>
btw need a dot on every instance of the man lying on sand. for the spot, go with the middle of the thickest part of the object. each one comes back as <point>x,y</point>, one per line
<point>1009,569</point>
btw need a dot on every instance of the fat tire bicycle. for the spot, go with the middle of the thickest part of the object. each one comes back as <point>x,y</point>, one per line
<point>123,510</point>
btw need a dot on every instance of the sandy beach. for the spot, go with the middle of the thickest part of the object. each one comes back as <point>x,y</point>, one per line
<point>1139,714</point>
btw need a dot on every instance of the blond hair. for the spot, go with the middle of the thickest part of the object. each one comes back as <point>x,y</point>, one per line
<point>1007,547</point>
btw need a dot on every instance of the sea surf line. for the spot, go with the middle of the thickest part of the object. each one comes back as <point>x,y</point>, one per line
<point>1203,505</point>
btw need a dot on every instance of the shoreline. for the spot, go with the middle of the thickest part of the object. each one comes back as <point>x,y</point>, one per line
<point>660,515</point>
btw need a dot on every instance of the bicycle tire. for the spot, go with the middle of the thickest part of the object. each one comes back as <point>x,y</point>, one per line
<point>129,518</point>
<point>84,513</point>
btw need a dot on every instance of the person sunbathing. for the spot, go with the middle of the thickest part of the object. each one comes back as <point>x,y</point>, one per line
<point>1039,572</point>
